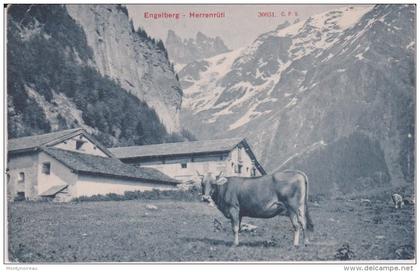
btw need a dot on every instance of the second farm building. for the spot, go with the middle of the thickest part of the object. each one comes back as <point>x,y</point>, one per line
<point>181,161</point>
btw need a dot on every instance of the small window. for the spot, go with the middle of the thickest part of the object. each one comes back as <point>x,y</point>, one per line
<point>238,168</point>
<point>183,165</point>
<point>21,178</point>
<point>79,144</point>
<point>253,172</point>
<point>20,196</point>
<point>46,168</point>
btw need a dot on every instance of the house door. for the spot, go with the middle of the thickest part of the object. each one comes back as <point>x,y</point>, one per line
<point>20,186</point>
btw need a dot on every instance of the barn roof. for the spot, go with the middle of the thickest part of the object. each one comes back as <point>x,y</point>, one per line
<point>96,165</point>
<point>184,148</point>
<point>180,148</point>
<point>31,143</point>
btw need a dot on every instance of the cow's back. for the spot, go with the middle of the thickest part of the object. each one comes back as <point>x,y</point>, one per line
<point>254,196</point>
<point>253,186</point>
<point>279,181</point>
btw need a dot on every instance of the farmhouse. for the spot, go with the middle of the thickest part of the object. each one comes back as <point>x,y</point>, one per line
<point>71,163</point>
<point>182,160</point>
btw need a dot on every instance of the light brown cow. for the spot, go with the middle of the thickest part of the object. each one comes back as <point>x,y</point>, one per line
<point>261,197</point>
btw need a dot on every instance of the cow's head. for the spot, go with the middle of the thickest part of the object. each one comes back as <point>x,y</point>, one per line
<point>209,183</point>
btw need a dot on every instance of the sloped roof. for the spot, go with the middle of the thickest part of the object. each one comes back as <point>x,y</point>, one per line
<point>33,142</point>
<point>91,164</point>
<point>180,148</point>
<point>54,190</point>
<point>184,148</point>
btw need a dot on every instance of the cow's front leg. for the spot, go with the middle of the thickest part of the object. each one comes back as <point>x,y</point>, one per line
<point>235,220</point>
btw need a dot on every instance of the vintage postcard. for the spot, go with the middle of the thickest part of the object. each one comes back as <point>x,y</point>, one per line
<point>218,133</point>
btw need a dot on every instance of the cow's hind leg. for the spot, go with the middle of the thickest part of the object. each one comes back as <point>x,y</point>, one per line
<point>296,227</point>
<point>235,220</point>
<point>302,223</point>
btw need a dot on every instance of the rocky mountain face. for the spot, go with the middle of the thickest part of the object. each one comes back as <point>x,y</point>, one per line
<point>190,50</point>
<point>332,95</point>
<point>137,65</point>
<point>85,65</point>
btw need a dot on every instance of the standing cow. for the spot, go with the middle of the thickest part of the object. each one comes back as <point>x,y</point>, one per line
<point>261,197</point>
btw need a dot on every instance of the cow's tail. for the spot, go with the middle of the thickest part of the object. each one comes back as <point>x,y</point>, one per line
<point>309,223</point>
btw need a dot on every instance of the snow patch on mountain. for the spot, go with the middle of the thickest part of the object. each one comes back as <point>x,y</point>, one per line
<point>314,82</point>
<point>222,73</point>
<point>251,114</point>
<point>204,92</point>
<point>323,30</point>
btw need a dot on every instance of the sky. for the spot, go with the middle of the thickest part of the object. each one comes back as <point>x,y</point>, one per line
<point>241,24</point>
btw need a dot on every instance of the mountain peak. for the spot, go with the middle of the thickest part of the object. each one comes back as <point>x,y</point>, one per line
<point>171,36</point>
<point>192,49</point>
<point>200,36</point>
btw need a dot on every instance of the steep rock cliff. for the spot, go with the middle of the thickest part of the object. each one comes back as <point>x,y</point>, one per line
<point>135,62</point>
<point>56,80</point>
